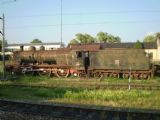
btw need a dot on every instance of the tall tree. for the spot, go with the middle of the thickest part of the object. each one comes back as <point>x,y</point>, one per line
<point>74,41</point>
<point>113,39</point>
<point>117,39</point>
<point>102,37</point>
<point>89,38</point>
<point>150,38</point>
<point>36,41</point>
<point>105,37</point>
<point>82,38</point>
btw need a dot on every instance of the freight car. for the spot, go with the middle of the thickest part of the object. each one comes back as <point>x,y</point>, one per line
<point>95,62</point>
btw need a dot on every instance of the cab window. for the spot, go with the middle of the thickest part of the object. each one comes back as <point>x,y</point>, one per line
<point>79,54</point>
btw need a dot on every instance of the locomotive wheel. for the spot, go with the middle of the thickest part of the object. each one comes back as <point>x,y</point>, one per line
<point>110,75</point>
<point>148,77</point>
<point>115,75</point>
<point>63,72</point>
<point>33,73</point>
<point>125,75</point>
<point>118,75</point>
<point>42,73</point>
<point>143,76</point>
<point>97,74</point>
<point>82,74</point>
<point>136,76</point>
<point>152,75</point>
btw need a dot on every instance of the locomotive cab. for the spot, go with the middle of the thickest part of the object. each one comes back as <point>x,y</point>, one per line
<point>82,60</point>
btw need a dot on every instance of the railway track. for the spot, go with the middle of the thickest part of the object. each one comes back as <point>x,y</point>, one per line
<point>58,111</point>
<point>21,110</point>
<point>90,86</point>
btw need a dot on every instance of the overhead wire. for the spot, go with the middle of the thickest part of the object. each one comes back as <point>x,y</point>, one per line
<point>91,13</point>
<point>75,24</point>
<point>88,23</point>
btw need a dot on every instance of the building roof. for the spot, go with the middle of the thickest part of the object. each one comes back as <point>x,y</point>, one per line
<point>151,45</point>
<point>94,46</point>
<point>97,46</point>
<point>33,44</point>
<point>85,47</point>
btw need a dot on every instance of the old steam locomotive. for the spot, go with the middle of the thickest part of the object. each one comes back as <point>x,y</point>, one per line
<point>83,60</point>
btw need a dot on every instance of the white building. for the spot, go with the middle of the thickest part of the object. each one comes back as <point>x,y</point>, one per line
<point>155,52</point>
<point>26,47</point>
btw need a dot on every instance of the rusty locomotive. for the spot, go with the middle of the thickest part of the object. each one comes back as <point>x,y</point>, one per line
<point>83,60</point>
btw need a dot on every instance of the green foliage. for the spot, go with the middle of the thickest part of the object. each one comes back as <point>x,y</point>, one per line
<point>36,41</point>
<point>102,37</point>
<point>74,41</point>
<point>150,38</point>
<point>105,37</point>
<point>89,38</point>
<point>83,38</point>
<point>117,39</point>
<point>138,45</point>
<point>113,39</point>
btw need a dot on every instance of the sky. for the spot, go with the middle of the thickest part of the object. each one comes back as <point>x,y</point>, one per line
<point>131,20</point>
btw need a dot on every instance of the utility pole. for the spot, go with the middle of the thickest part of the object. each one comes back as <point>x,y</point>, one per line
<point>61,22</point>
<point>3,40</point>
<point>3,44</point>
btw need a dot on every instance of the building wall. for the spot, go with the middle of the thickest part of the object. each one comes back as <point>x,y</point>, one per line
<point>155,52</point>
<point>158,50</point>
<point>13,48</point>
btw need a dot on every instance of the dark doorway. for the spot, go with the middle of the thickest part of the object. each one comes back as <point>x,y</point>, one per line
<point>86,61</point>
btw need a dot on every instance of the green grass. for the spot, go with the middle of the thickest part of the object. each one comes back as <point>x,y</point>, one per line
<point>115,98</point>
<point>74,90</point>
<point>73,82</point>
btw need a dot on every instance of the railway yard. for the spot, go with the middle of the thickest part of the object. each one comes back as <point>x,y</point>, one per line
<point>79,60</point>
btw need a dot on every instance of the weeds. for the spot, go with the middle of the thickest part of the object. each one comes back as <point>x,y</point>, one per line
<point>124,98</point>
